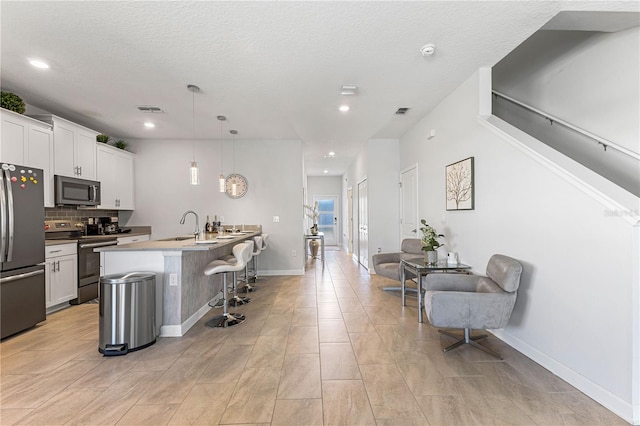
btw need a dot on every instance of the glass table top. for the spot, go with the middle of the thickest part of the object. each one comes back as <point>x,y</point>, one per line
<point>421,263</point>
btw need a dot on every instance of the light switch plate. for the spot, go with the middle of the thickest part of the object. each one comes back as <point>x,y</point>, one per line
<point>276,219</point>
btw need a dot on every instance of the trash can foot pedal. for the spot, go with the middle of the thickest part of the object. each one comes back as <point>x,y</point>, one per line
<point>114,350</point>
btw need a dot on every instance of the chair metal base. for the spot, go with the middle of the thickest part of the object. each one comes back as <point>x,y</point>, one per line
<point>225,320</point>
<point>247,288</point>
<point>470,340</point>
<point>237,300</point>
<point>408,289</point>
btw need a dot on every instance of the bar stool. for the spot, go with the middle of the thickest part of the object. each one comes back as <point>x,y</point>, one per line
<point>265,245</point>
<point>222,267</point>
<point>237,300</point>
<point>257,248</point>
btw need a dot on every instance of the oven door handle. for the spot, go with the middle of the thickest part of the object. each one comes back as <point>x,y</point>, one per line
<point>92,245</point>
<point>21,276</point>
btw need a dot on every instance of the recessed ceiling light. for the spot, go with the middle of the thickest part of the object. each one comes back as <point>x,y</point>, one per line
<point>332,154</point>
<point>325,171</point>
<point>149,125</point>
<point>344,108</point>
<point>39,64</point>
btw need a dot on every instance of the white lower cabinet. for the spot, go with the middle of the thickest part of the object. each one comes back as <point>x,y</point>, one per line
<point>135,239</point>
<point>61,274</point>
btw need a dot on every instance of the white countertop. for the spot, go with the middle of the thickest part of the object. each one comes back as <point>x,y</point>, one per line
<point>179,244</point>
<point>110,236</point>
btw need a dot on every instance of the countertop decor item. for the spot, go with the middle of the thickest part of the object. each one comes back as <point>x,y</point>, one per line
<point>460,184</point>
<point>313,214</point>
<point>12,102</point>
<point>430,242</point>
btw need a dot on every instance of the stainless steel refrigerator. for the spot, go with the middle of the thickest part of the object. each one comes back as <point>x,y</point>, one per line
<point>22,288</point>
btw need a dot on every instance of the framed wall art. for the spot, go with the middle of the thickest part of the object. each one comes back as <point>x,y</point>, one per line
<point>459,181</point>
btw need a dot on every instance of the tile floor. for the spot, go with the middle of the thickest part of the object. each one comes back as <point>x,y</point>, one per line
<point>329,347</point>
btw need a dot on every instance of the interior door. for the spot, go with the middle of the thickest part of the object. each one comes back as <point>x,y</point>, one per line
<point>350,219</point>
<point>409,203</point>
<point>363,224</point>
<point>328,220</point>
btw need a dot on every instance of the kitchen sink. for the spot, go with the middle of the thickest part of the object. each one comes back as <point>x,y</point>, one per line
<point>191,237</point>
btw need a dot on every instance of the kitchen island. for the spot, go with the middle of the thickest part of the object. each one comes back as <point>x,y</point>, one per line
<point>183,292</point>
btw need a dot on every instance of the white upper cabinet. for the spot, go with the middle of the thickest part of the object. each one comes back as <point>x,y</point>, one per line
<point>28,142</point>
<point>74,148</point>
<point>115,173</point>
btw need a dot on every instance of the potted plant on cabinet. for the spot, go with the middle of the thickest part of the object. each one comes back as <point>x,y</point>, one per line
<point>103,138</point>
<point>12,102</point>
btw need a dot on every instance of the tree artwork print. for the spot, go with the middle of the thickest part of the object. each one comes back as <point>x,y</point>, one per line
<point>460,185</point>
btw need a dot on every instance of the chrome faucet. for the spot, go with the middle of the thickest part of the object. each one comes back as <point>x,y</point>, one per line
<point>197,230</point>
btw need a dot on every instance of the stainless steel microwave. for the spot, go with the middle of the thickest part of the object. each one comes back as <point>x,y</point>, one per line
<point>76,192</point>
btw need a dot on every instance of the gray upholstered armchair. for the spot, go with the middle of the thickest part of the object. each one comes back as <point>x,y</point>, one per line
<point>473,301</point>
<point>388,264</point>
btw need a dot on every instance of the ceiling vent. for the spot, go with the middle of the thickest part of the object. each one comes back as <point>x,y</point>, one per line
<point>402,110</point>
<point>150,109</point>
<point>349,90</point>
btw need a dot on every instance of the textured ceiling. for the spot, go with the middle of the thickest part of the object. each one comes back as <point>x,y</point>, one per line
<point>273,68</point>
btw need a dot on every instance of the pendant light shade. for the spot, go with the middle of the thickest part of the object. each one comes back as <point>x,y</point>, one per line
<point>221,182</point>
<point>193,169</point>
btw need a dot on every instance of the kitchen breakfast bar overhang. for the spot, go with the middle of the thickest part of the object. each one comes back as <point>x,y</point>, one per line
<point>183,292</point>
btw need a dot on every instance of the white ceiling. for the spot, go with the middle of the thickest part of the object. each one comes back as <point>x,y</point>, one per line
<point>273,68</point>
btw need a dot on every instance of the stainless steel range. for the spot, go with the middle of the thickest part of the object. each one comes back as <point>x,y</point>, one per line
<point>88,260</point>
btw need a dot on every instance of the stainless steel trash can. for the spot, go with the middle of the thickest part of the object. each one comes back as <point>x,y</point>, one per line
<point>127,312</point>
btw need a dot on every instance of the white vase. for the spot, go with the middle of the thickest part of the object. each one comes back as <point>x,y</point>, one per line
<point>431,257</point>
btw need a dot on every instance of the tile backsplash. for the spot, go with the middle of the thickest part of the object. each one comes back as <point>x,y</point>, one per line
<point>76,215</point>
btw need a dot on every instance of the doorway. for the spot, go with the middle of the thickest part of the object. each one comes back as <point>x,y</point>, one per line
<point>328,220</point>
<point>350,219</point>
<point>363,224</point>
<point>409,203</point>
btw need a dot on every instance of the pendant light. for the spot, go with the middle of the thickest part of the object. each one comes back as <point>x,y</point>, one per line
<point>234,187</point>
<point>193,170</point>
<point>221,178</point>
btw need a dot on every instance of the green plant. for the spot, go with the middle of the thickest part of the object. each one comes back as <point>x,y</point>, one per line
<point>12,102</point>
<point>103,138</point>
<point>120,144</point>
<point>430,237</point>
<point>312,212</point>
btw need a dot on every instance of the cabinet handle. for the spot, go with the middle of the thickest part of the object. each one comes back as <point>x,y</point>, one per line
<point>53,266</point>
<point>80,169</point>
<point>55,251</point>
<point>58,262</point>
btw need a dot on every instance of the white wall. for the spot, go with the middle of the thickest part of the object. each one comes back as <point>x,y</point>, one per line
<point>384,196</point>
<point>574,312</point>
<point>378,162</point>
<point>587,79</point>
<point>272,168</point>
<point>604,99</point>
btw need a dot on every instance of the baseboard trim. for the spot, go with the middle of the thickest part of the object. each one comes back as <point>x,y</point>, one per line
<point>612,402</point>
<point>181,330</point>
